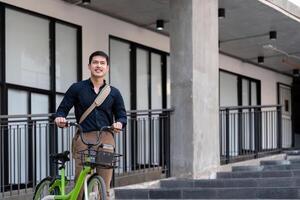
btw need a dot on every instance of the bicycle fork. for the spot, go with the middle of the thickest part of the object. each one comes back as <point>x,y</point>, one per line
<point>86,195</point>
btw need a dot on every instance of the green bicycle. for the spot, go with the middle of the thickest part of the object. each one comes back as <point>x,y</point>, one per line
<point>94,185</point>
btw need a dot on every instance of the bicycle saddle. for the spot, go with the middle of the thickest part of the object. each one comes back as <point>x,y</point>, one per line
<point>63,157</point>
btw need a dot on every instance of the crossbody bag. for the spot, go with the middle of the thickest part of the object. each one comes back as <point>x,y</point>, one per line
<point>97,102</point>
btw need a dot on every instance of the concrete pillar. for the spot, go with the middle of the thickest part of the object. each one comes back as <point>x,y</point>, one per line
<point>194,86</point>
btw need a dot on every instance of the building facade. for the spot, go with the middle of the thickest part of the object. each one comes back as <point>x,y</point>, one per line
<point>45,47</point>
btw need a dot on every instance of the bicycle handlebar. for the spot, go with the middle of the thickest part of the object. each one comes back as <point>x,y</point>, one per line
<point>110,129</point>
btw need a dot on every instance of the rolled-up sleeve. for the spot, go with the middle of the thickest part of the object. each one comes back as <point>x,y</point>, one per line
<point>67,103</point>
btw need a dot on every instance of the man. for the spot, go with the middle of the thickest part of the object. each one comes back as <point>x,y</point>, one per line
<point>110,113</point>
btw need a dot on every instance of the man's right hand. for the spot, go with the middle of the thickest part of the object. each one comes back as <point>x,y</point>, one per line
<point>60,122</point>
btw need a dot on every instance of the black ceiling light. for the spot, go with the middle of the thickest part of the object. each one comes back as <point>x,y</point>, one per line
<point>273,35</point>
<point>260,59</point>
<point>221,13</point>
<point>296,73</point>
<point>160,24</point>
<point>86,2</point>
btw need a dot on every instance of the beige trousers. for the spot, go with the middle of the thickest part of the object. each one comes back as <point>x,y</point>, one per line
<point>78,145</point>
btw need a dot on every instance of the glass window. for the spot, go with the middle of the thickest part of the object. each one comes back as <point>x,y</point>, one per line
<point>27,50</point>
<point>142,63</point>
<point>39,104</point>
<point>254,93</point>
<point>17,102</point>
<point>245,92</point>
<point>120,68</point>
<point>228,89</point>
<point>66,56</point>
<point>156,82</point>
<point>168,82</point>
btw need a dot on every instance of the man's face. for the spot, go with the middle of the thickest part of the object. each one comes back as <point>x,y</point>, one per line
<point>98,67</point>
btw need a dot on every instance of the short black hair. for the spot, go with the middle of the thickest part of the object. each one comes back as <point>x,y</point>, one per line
<point>99,53</point>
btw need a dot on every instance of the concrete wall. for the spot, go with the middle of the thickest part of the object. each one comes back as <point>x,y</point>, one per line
<point>96,27</point>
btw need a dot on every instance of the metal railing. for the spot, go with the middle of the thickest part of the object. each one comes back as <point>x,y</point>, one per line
<point>249,130</point>
<point>27,141</point>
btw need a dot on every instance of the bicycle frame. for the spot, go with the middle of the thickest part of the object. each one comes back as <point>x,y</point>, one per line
<point>61,183</point>
<point>81,181</point>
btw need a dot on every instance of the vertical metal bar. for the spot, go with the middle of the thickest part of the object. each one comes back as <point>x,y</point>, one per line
<point>124,139</point>
<point>2,163</point>
<point>251,132</point>
<point>220,133</point>
<point>234,138</point>
<point>266,130</point>
<point>272,128</point>
<point>240,132</point>
<point>279,128</point>
<point>33,156</point>
<point>69,167</point>
<point>151,140</point>
<point>167,145</point>
<point>227,136</point>
<point>12,153</point>
<point>145,142</point>
<point>129,147</point>
<point>38,132</point>
<point>135,144</point>
<point>53,145</point>
<point>47,146</point>
<point>19,157</point>
<point>230,133</point>
<point>162,133</point>
<point>26,158</point>
<point>247,133</point>
<point>256,133</point>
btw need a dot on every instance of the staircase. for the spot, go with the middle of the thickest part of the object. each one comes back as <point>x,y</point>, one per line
<point>272,179</point>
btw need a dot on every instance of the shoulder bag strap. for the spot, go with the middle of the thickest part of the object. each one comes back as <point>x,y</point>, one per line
<point>97,102</point>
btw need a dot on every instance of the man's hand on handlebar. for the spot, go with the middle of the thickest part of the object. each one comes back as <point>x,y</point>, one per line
<point>60,122</point>
<point>117,126</point>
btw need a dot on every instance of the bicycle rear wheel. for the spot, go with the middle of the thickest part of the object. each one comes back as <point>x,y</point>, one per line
<point>96,188</point>
<point>43,189</point>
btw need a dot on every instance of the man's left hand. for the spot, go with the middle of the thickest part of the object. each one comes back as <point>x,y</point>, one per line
<point>117,126</point>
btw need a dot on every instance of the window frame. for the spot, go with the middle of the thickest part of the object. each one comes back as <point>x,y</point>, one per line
<point>133,71</point>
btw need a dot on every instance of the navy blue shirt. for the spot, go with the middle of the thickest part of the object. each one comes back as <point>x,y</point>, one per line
<point>81,95</point>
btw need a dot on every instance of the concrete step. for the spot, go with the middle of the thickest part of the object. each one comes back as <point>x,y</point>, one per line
<point>294,160</point>
<point>292,152</point>
<point>257,168</point>
<point>247,168</point>
<point>259,174</point>
<point>275,162</point>
<point>292,157</point>
<point>210,193</point>
<point>232,183</point>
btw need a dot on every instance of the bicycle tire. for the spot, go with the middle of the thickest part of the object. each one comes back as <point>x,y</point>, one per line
<point>44,186</point>
<point>96,182</point>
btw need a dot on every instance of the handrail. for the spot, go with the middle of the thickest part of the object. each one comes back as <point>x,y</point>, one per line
<point>248,107</point>
<point>153,111</point>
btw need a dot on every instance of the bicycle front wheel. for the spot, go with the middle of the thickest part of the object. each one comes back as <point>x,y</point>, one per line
<point>96,188</point>
<point>44,188</point>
